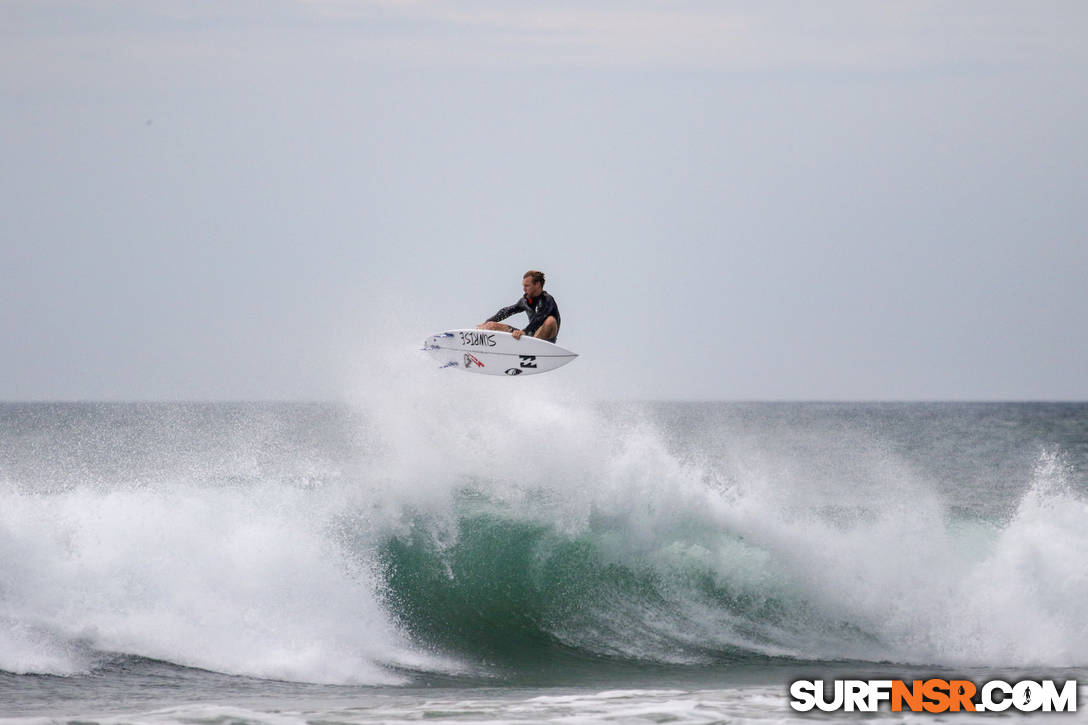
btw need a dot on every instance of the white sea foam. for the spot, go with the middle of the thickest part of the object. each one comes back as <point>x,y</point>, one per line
<point>1023,602</point>
<point>236,579</point>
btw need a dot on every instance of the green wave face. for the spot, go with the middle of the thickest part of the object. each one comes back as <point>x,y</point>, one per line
<point>514,592</point>
<point>502,590</point>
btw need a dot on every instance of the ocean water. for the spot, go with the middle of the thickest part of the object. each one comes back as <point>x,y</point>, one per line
<point>453,553</point>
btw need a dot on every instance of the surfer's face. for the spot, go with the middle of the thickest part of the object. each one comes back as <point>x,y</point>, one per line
<point>532,291</point>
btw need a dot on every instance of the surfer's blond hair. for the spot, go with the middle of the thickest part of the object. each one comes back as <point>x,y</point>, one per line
<point>537,277</point>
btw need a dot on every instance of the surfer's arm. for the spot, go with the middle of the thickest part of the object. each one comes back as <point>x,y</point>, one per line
<point>504,313</point>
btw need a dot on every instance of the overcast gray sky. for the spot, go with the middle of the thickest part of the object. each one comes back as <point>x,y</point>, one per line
<point>732,200</point>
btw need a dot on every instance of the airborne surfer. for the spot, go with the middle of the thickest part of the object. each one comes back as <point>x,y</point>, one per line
<point>539,305</point>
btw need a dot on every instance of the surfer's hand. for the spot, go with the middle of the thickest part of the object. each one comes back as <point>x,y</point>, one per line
<point>516,333</point>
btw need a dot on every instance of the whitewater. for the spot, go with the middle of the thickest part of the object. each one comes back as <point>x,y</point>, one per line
<point>441,549</point>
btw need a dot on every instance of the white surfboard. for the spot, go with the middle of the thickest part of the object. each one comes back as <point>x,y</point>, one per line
<point>496,353</point>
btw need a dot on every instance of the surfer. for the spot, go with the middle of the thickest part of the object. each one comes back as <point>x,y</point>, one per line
<point>538,304</point>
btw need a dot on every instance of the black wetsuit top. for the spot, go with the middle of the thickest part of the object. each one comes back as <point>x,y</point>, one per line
<point>538,310</point>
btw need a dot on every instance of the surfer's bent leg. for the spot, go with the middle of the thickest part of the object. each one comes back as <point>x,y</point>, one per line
<point>549,330</point>
<point>496,326</point>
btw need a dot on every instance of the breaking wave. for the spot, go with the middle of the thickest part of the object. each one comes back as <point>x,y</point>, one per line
<point>539,534</point>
